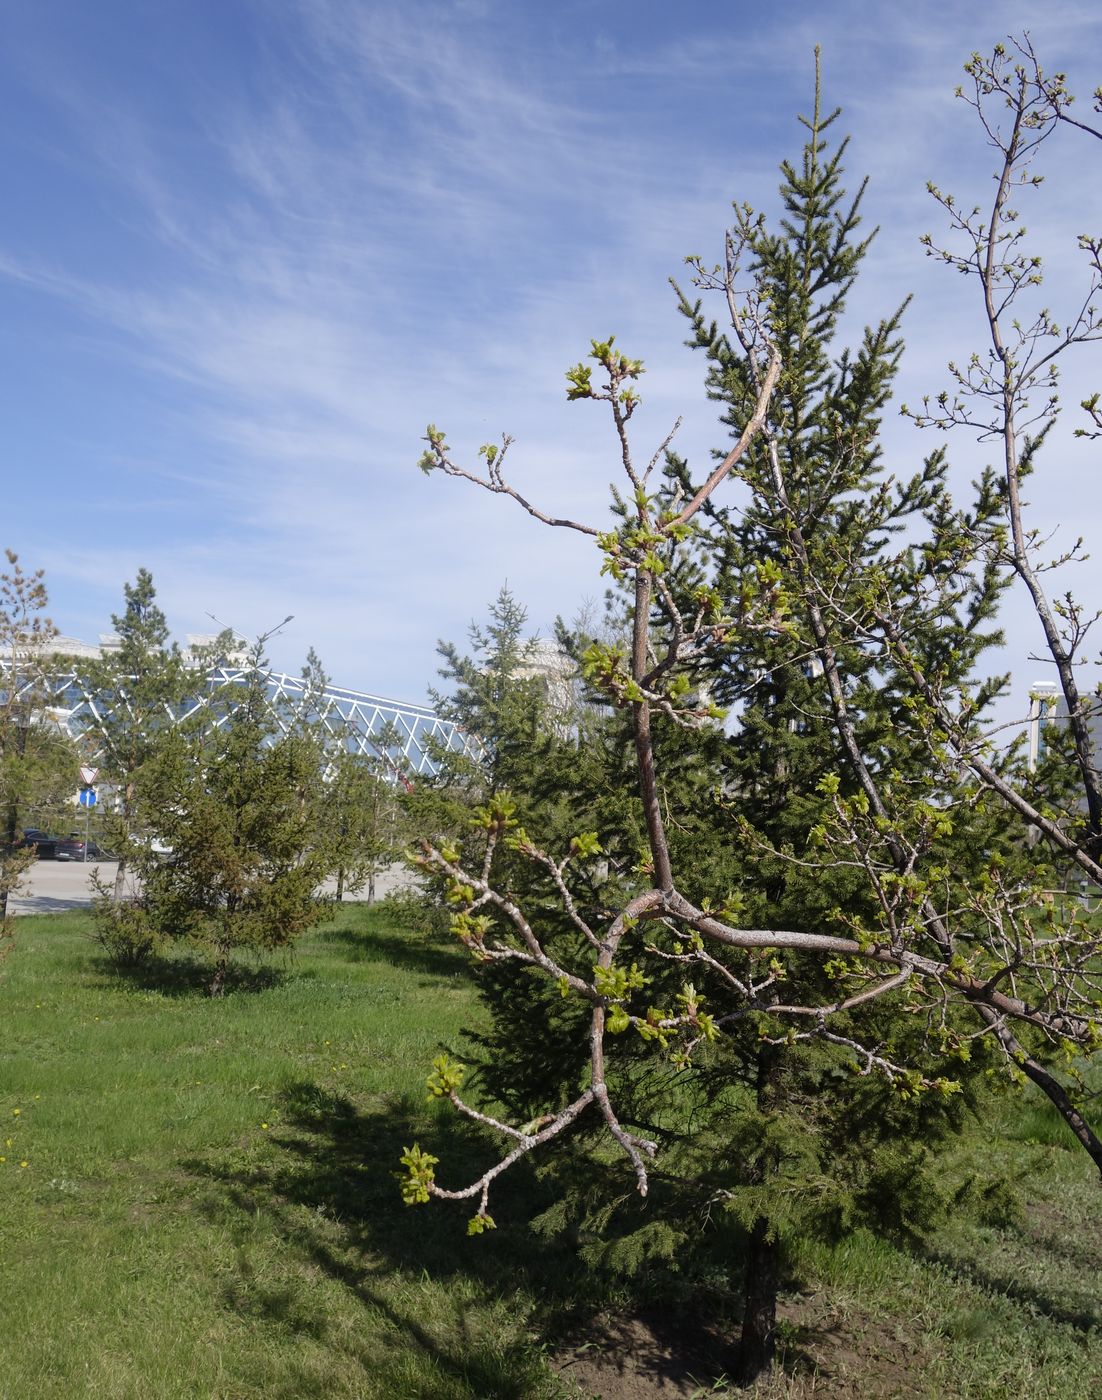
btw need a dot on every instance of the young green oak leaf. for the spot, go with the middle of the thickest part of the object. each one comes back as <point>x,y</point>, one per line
<point>616,983</point>
<point>689,998</point>
<point>446,1077</point>
<point>501,813</point>
<point>585,844</point>
<point>419,1175</point>
<point>618,1020</point>
<point>651,1028</point>
<point>471,928</point>
<point>707,1025</point>
<point>578,382</point>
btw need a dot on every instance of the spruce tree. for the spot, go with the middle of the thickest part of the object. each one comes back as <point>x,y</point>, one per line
<point>136,690</point>
<point>235,801</point>
<point>784,1142</point>
<point>822,514</point>
<point>490,697</point>
<point>875,928</point>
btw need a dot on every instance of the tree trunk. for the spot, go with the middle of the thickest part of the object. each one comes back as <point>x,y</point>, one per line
<point>371,886</point>
<point>758,1345</point>
<point>218,981</point>
<point>9,837</point>
<point>340,884</point>
<point>127,815</point>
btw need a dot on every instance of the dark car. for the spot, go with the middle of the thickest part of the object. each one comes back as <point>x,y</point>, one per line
<point>73,848</point>
<point>44,844</point>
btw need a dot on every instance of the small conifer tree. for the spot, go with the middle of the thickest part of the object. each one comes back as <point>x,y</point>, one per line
<point>137,687</point>
<point>234,801</point>
<point>38,761</point>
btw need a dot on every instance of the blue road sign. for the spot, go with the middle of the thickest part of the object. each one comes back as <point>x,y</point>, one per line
<point>87,797</point>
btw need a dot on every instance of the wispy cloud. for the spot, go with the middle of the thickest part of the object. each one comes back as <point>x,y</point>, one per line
<point>422,212</point>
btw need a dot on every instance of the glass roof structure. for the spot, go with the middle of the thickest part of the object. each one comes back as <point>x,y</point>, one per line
<point>409,739</point>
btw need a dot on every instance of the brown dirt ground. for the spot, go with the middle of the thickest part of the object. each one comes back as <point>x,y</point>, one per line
<point>835,1356</point>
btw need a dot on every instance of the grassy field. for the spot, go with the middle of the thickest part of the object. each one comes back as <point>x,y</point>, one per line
<point>197,1199</point>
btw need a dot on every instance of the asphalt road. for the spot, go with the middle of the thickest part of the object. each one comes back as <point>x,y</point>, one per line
<point>52,886</point>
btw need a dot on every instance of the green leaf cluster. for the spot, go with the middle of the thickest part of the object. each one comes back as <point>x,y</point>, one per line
<point>420,1175</point>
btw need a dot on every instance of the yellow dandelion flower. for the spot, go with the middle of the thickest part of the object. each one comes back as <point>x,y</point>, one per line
<point>24,1163</point>
<point>264,1125</point>
<point>16,1112</point>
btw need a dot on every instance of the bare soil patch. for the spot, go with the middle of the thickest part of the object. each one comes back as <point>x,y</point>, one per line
<point>827,1354</point>
<point>642,1357</point>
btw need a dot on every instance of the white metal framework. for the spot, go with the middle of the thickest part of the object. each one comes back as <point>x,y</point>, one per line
<point>407,738</point>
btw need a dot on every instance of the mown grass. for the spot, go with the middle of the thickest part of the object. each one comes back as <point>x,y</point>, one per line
<point>1001,1302</point>
<point>208,1207</point>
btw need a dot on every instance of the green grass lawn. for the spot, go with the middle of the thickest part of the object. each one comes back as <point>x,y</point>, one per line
<point>198,1199</point>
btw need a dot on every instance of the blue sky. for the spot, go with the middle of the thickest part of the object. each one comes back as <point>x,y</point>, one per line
<point>252,247</point>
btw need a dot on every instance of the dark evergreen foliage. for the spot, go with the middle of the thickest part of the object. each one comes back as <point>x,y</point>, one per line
<point>767,1137</point>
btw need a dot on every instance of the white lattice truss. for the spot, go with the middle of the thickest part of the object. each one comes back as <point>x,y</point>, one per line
<point>407,739</point>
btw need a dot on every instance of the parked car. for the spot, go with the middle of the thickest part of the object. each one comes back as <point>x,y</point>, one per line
<point>44,844</point>
<point>154,845</point>
<point>72,847</point>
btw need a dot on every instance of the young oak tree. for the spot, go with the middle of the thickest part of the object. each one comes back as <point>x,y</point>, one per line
<point>783,1144</point>
<point>978,965</point>
<point>760,1146</point>
<point>1007,394</point>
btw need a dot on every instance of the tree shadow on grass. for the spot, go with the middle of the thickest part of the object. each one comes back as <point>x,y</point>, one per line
<point>1079,1309</point>
<point>328,1188</point>
<point>414,951</point>
<point>441,1316</point>
<point>326,1182</point>
<point>181,976</point>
